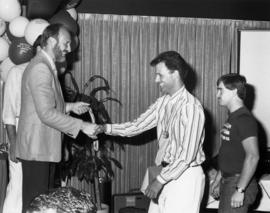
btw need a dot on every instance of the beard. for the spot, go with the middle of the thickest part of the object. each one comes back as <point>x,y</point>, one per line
<point>60,56</point>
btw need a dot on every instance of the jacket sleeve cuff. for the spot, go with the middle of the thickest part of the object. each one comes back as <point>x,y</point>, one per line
<point>161,180</point>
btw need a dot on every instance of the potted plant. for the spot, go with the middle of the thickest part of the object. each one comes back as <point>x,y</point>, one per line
<point>90,159</point>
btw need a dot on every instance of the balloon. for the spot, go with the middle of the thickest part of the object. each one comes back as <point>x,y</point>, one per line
<point>9,9</point>
<point>72,3</point>
<point>74,43</point>
<point>34,28</point>
<point>4,45</point>
<point>63,17</point>
<point>2,26</point>
<point>9,34</point>
<point>44,9</point>
<point>73,13</point>
<point>17,26</point>
<point>5,66</point>
<point>20,51</point>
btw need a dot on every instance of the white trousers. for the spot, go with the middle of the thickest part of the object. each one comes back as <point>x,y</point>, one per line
<point>13,200</point>
<point>183,195</point>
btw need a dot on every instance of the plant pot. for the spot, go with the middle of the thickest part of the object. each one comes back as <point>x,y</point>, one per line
<point>105,208</point>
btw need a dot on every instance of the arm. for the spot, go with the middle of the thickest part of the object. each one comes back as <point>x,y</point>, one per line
<point>215,185</point>
<point>250,145</point>
<point>11,132</point>
<point>187,139</point>
<point>77,107</point>
<point>12,94</point>
<point>146,121</point>
<point>45,102</point>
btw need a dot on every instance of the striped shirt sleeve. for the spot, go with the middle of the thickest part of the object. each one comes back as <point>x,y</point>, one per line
<point>144,122</point>
<point>187,137</point>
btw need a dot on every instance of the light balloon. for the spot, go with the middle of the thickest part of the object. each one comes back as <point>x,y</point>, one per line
<point>5,66</point>
<point>73,13</point>
<point>4,46</point>
<point>2,26</point>
<point>17,26</point>
<point>34,28</point>
<point>9,9</point>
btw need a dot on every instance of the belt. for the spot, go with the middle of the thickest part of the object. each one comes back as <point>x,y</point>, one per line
<point>227,175</point>
<point>164,164</point>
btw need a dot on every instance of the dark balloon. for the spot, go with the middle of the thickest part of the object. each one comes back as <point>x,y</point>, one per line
<point>63,17</point>
<point>20,51</point>
<point>74,43</point>
<point>42,8</point>
<point>72,3</point>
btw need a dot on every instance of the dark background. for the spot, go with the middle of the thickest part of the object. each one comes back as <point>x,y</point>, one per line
<point>221,9</point>
<point>258,10</point>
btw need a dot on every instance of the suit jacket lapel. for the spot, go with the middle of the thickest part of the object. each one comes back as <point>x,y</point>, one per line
<point>53,71</point>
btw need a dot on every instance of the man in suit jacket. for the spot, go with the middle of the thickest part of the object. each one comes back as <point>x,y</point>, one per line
<point>43,114</point>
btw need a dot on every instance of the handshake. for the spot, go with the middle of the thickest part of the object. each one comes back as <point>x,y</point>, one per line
<point>92,130</point>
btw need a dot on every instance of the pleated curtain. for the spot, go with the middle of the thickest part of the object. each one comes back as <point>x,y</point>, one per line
<point>119,48</point>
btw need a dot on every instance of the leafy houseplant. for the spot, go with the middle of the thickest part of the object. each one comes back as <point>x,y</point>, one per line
<point>86,158</point>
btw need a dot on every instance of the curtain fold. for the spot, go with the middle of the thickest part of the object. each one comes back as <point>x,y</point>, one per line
<point>119,48</point>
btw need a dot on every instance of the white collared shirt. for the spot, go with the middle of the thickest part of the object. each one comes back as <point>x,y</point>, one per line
<point>12,95</point>
<point>50,61</point>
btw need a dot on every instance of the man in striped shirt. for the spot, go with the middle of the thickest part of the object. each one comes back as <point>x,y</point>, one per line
<point>179,119</point>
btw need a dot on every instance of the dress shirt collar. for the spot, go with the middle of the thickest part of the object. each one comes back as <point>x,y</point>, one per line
<point>178,93</point>
<point>50,61</point>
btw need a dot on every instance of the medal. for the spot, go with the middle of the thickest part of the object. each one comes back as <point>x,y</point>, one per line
<point>165,134</point>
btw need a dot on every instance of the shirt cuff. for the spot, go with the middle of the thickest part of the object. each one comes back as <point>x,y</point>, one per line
<point>161,180</point>
<point>9,121</point>
<point>108,128</point>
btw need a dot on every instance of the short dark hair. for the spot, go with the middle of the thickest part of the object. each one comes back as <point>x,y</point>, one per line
<point>173,61</point>
<point>50,31</point>
<point>234,81</point>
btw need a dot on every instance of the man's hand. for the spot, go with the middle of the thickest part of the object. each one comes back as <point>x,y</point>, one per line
<point>237,199</point>
<point>215,190</point>
<point>78,107</point>
<point>91,129</point>
<point>153,189</point>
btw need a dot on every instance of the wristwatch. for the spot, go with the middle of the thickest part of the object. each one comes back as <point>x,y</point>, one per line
<point>239,189</point>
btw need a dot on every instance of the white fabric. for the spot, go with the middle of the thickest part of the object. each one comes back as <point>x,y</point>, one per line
<point>12,95</point>
<point>13,200</point>
<point>183,195</point>
<point>11,111</point>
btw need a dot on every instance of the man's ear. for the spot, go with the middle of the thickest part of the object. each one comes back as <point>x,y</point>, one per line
<point>52,41</point>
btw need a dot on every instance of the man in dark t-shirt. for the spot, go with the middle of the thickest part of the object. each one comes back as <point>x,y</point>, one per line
<point>238,155</point>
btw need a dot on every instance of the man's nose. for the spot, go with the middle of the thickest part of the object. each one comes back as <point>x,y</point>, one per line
<point>157,79</point>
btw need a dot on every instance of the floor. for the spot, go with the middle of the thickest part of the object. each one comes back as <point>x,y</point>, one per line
<point>215,211</point>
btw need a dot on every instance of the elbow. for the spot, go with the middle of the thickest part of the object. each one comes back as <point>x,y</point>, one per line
<point>255,159</point>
